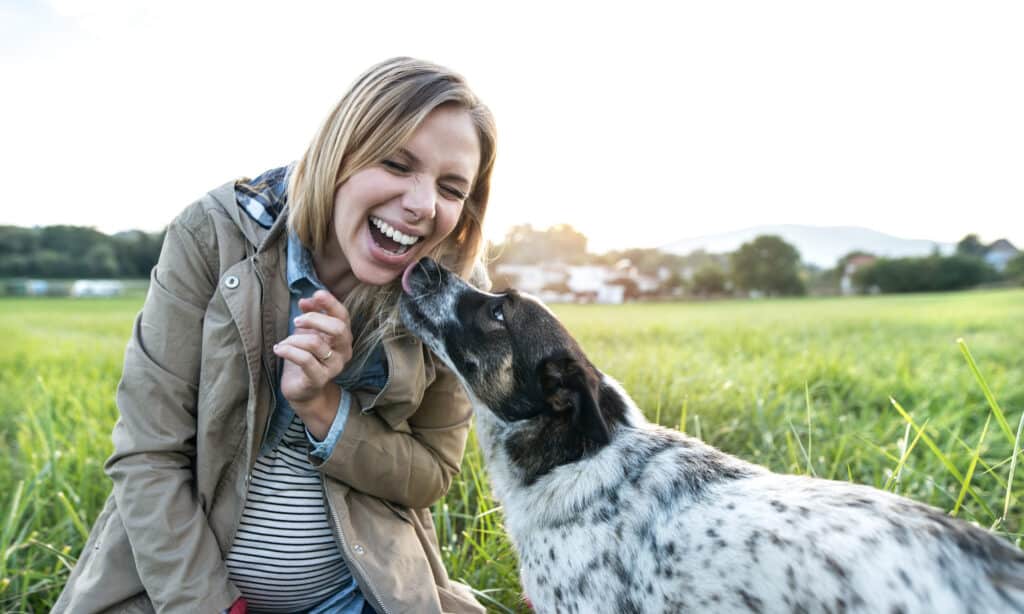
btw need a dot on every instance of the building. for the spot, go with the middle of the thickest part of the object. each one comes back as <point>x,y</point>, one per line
<point>97,287</point>
<point>562,283</point>
<point>1000,253</point>
<point>854,264</point>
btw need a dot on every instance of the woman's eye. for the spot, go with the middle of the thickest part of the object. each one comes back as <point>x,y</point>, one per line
<point>452,192</point>
<point>496,312</point>
<point>395,166</point>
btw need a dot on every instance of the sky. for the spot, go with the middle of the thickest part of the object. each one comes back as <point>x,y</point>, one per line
<point>638,123</point>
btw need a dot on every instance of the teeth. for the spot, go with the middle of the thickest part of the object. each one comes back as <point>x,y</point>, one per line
<point>392,232</point>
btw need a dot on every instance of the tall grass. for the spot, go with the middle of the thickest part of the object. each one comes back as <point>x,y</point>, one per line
<point>875,390</point>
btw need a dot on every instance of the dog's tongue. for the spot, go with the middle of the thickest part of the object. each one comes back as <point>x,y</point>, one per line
<point>405,277</point>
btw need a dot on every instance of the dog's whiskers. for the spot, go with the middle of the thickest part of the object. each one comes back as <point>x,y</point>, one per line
<point>422,296</point>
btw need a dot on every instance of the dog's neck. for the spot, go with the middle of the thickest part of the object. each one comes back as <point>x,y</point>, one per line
<point>527,450</point>
<point>537,493</point>
<point>540,492</point>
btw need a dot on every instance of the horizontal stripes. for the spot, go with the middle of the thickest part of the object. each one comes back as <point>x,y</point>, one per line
<point>285,557</point>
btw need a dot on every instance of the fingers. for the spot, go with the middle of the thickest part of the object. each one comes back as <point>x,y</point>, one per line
<point>315,357</point>
<point>334,328</point>
<point>326,315</point>
<point>321,342</point>
<point>312,343</point>
<point>326,303</point>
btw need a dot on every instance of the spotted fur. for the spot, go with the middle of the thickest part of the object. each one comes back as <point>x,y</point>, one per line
<point>610,513</point>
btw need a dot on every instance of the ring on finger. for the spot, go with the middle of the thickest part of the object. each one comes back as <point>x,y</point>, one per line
<point>326,356</point>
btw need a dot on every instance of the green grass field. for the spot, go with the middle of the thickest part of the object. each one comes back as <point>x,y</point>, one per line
<point>815,386</point>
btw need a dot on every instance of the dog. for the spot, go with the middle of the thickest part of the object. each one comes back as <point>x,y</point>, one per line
<point>609,513</point>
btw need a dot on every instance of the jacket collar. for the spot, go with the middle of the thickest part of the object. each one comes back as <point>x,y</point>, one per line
<point>260,238</point>
<point>258,207</point>
<point>266,241</point>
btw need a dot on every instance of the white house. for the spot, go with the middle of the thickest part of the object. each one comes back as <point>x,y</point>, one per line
<point>37,287</point>
<point>853,265</point>
<point>97,287</point>
<point>549,282</point>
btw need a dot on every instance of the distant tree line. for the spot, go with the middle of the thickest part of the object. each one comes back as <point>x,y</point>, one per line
<point>933,273</point>
<point>966,268</point>
<point>74,252</point>
<point>766,266</point>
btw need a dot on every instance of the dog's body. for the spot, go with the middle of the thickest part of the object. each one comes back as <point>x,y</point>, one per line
<point>612,514</point>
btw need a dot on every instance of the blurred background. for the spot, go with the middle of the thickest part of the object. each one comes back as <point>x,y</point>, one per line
<point>647,143</point>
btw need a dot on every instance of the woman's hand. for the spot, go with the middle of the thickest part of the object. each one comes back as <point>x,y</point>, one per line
<point>316,352</point>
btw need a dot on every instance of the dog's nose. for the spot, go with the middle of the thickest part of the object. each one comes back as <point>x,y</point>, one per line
<point>429,266</point>
<point>420,273</point>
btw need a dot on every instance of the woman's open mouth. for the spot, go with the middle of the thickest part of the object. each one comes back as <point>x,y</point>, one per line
<point>389,238</point>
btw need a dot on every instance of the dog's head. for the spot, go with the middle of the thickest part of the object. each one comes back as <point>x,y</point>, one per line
<point>512,354</point>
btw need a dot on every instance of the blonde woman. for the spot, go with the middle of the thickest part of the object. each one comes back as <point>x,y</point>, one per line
<point>280,439</point>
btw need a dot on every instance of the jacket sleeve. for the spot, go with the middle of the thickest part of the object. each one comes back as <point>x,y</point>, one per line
<point>176,554</point>
<point>413,468</point>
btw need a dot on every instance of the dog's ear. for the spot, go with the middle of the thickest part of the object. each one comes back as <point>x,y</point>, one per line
<point>569,386</point>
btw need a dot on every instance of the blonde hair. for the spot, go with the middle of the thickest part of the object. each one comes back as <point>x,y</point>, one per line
<point>373,120</point>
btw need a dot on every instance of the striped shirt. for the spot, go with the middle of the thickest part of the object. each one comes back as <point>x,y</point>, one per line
<point>285,557</point>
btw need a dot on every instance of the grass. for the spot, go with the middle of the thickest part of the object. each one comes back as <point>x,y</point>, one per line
<point>875,390</point>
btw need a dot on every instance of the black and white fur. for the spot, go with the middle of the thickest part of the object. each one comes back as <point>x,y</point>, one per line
<point>610,513</point>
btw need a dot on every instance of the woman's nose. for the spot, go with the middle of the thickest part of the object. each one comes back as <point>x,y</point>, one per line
<point>419,200</point>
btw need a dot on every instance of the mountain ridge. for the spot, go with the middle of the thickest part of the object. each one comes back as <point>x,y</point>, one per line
<point>818,245</point>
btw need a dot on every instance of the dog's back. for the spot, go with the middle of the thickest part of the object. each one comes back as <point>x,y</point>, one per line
<point>684,527</point>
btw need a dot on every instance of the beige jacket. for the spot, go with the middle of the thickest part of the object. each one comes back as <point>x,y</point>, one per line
<point>195,398</point>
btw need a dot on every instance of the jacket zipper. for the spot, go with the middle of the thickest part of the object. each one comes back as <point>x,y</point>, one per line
<point>352,563</point>
<point>263,358</point>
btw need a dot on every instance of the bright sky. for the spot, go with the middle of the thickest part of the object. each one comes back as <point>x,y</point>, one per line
<point>637,122</point>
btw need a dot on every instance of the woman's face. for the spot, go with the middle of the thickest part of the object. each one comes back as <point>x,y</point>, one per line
<point>390,214</point>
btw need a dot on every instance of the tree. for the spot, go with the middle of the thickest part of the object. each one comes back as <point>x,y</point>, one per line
<point>929,274</point>
<point>76,251</point>
<point>1015,269</point>
<point>768,264</point>
<point>709,280</point>
<point>137,252</point>
<point>17,240</point>
<point>673,284</point>
<point>971,245</point>
<point>646,260</point>
<point>525,245</point>
<point>101,261</point>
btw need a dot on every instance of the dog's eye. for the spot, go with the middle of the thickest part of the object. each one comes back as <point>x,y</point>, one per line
<point>496,312</point>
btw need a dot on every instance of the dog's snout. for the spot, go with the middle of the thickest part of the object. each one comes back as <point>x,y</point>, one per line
<point>421,275</point>
<point>428,265</point>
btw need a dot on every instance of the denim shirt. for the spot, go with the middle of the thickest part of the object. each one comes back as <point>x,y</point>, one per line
<point>302,283</point>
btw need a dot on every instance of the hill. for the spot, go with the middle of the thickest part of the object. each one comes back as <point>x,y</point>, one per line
<point>819,245</point>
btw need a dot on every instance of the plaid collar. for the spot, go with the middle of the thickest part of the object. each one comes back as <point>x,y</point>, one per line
<point>263,198</point>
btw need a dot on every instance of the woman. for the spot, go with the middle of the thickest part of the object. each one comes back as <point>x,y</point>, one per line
<point>280,439</point>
